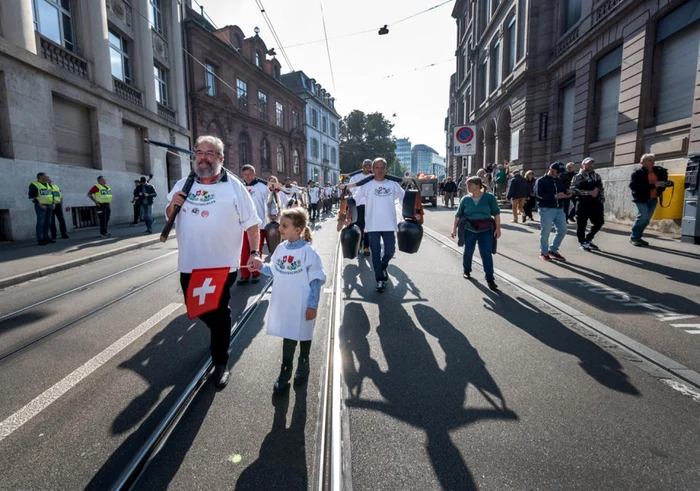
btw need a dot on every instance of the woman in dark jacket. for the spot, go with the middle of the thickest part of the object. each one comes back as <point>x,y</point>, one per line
<point>531,200</point>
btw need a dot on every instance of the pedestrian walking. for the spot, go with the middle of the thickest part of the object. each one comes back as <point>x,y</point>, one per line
<point>136,203</point>
<point>462,186</point>
<point>500,180</point>
<point>57,213</point>
<point>648,182</point>
<point>587,187</point>
<point>146,195</point>
<point>569,203</point>
<point>298,274</point>
<point>450,191</point>
<point>101,195</point>
<point>259,193</point>
<point>210,226</point>
<point>550,193</point>
<point>360,205</point>
<point>478,221</point>
<point>41,194</point>
<point>531,199</point>
<point>314,198</point>
<point>517,194</point>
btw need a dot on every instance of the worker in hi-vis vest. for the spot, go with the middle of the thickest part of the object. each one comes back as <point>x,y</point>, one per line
<point>57,212</point>
<point>101,195</point>
<point>41,194</point>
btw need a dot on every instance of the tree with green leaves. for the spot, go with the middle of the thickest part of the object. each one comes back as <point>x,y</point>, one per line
<point>367,136</point>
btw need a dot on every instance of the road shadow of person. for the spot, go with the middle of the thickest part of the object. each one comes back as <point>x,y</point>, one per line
<point>528,317</point>
<point>282,457</point>
<point>513,228</point>
<point>179,342</point>
<point>354,344</point>
<point>418,392</point>
<point>685,276</point>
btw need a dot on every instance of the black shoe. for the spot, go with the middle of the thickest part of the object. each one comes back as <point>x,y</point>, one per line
<point>148,232</point>
<point>50,241</point>
<point>105,235</point>
<point>53,238</point>
<point>637,242</point>
<point>492,285</point>
<point>65,236</point>
<point>302,373</point>
<point>366,251</point>
<point>242,281</point>
<point>255,279</point>
<point>644,243</point>
<point>381,285</point>
<point>41,243</point>
<point>221,376</point>
<point>593,246</point>
<point>467,276</point>
<point>282,383</point>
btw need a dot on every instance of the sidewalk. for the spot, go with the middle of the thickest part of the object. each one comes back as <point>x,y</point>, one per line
<point>23,261</point>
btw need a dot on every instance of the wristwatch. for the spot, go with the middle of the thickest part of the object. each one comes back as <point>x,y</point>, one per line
<point>254,253</point>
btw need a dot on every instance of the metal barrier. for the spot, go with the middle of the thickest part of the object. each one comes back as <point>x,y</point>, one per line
<point>84,216</point>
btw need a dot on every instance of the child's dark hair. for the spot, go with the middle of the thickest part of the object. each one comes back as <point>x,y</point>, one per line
<point>300,219</point>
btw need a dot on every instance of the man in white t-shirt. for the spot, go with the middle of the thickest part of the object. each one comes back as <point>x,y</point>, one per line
<point>259,193</point>
<point>314,198</point>
<point>366,172</point>
<point>288,193</point>
<point>379,197</point>
<point>210,229</point>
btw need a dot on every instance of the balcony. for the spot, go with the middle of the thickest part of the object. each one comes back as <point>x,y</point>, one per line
<point>62,57</point>
<point>166,113</point>
<point>604,9</point>
<point>564,45</point>
<point>127,92</point>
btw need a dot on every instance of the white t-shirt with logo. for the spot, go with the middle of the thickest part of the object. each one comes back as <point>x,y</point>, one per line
<point>379,198</point>
<point>354,191</point>
<point>314,195</point>
<point>259,193</point>
<point>211,223</point>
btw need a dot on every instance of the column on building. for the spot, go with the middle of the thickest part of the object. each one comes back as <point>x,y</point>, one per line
<point>178,64</point>
<point>99,44</point>
<point>145,56</point>
<point>18,24</point>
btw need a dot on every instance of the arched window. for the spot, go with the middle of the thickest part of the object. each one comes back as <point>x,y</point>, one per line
<point>244,149</point>
<point>295,158</point>
<point>264,154</point>
<point>280,158</point>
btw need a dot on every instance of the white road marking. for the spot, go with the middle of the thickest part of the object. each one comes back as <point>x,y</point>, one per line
<point>682,388</point>
<point>692,326</point>
<point>52,394</point>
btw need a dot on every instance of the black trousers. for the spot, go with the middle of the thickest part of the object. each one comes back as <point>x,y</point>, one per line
<point>529,206</point>
<point>137,212</point>
<point>58,215</point>
<point>589,210</point>
<point>218,321</point>
<point>361,224</point>
<point>104,211</point>
<point>313,211</point>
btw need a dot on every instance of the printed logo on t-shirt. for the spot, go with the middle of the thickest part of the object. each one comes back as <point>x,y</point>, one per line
<point>195,211</point>
<point>382,191</point>
<point>288,265</point>
<point>205,214</point>
<point>202,197</point>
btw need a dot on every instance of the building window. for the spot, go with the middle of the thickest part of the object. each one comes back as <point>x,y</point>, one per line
<point>333,131</point>
<point>280,158</point>
<point>242,94</point>
<point>607,95</point>
<point>566,114</point>
<point>262,105</point>
<point>571,14</point>
<point>295,120</point>
<point>264,154</point>
<point>53,19</point>
<point>675,63</point>
<point>71,124</point>
<point>257,59</point>
<point>279,113</point>
<point>325,152</point>
<point>495,77</point>
<point>314,148</point>
<point>119,57</point>
<point>314,118</point>
<point>482,88</point>
<point>324,124</point>
<point>483,15</point>
<point>155,15</point>
<point>521,16</point>
<point>244,149</point>
<point>132,147</point>
<point>512,40</point>
<point>295,159</point>
<point>210,79</point>
<point>334,155</point>
<point>161,80</point>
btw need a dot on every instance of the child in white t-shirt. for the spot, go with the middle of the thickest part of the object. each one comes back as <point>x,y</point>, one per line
<point>298,275</point>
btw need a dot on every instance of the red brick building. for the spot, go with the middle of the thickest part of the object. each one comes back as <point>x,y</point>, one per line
<point>236,94</point>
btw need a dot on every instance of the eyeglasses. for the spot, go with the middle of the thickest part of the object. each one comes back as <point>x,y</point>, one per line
<point>208,154</point>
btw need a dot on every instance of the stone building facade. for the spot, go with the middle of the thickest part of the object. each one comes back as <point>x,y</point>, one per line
<point>81,85</point>
<point>611,79</point>
<point>321,127</point>
<point>236,93</point>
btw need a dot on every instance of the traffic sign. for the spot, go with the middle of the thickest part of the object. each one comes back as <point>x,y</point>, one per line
<point>464,140</point>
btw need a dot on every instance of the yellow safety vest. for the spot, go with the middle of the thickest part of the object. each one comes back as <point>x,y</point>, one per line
<point>45,196</point>
<point>104,196</point>
<point>57,194</point>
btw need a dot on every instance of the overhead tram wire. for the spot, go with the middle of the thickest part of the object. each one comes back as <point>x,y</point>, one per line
<point>268,21</point>
<point>328,49</point>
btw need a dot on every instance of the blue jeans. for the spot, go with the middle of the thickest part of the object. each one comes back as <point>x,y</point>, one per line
<point>549,217</point>
<point>645,210</point>
<point>147,213</point>
<point>43,222</point>
<point>381,263</point>
<point>485,241</point>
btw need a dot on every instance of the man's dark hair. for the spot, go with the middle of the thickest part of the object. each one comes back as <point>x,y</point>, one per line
<point>39,175</point>
<point>248,167</point>
<point>143,179</point>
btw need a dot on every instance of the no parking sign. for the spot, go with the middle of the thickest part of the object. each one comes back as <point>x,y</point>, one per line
<point>464,140</point>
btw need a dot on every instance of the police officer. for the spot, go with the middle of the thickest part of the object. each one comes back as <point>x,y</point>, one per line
<point>57,212</point>
<point>587,186</point>
<point>101,195</point>
<point>41,194</point>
